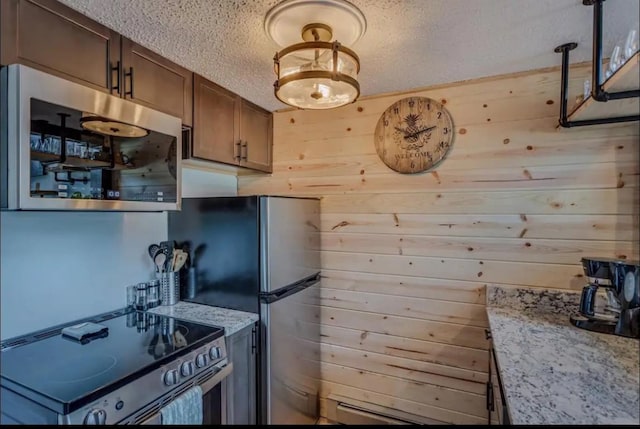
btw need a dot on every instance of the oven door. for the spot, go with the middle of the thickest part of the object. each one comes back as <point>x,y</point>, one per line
<point>214,400</point>
<point>70,147</point>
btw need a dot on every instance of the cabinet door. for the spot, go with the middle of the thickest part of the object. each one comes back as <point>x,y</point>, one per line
<point>154,81</point>
<point>215,122</point>
<point>241,397</point>
<point>54,38</point>
<point>256,131</point>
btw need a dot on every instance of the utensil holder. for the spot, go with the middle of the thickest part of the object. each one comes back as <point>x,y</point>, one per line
<point>169,287</point>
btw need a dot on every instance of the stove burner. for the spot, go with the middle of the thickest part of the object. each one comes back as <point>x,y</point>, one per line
<point>77,369</point>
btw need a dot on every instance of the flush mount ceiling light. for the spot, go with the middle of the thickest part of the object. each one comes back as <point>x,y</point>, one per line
<point>320,72</point>
<point>111,128</point>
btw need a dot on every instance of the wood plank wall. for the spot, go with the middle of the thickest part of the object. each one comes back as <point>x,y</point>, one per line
<point>406,258</point>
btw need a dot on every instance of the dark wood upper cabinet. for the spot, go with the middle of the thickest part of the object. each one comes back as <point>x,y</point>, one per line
<point>215,123</point>
<point>49,36</point>
<point>256,131</point>
<point>153,81</point>
<point>229,129</point>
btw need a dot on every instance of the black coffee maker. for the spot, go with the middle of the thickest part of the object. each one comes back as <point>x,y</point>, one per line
<point>621,313</point>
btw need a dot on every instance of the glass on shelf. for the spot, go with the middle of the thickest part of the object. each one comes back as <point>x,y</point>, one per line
<point>631,45</point>
<point>35,142</point>
<point>586,89</point>
<point>614,62</point>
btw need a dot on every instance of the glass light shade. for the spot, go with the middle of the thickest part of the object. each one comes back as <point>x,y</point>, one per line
<point>317,75</point>
<point>111,128</point>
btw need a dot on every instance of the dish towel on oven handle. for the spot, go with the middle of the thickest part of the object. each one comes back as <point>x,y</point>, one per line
<point>186,409</point>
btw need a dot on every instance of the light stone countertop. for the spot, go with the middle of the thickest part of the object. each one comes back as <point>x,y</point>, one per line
<point>555,373</point>
<point>231,320</point>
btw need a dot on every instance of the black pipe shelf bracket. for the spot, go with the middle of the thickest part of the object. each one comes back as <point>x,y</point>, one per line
<point>598,91</point>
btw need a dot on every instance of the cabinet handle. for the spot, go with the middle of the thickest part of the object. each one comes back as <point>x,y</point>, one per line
<point>130,74</point>
<point>237,150</point>
<point>487,334</point>
<point>253,341</point>
<point>118,71</point>
<point>490,404</point>
<point>246,151</point>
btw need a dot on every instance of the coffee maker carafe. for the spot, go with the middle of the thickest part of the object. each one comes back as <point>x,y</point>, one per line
<point>621,313</point>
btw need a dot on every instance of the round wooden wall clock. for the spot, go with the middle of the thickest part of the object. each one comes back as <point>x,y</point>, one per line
<point>414,134</point>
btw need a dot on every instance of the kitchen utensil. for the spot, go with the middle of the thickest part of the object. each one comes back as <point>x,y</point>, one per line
<point>173,260</point>
<point>179,259</point>
<point>158,251</point>
<point>160,258</point>
<point>153,249</point>
<point>168,245</point>
<point>167,248</point>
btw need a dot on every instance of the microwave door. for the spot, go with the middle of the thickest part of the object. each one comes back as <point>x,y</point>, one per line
<point>74,147</point>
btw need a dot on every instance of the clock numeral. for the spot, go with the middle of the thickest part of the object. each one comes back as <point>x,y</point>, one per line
<point>386,123</point>
<point>428,106</point>
<point>411,103</point>
<point>396,110</point>
<point>413,164</point>
<point>439,114</point>
<point>445,131</point>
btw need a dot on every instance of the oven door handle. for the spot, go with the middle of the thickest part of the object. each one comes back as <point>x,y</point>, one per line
<point>217,378</point>
<point>156,419</point>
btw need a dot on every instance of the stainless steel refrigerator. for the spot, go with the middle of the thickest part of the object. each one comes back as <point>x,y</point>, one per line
<point>259,254</point>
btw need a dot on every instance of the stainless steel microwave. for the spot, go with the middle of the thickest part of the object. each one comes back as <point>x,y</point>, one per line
<point>65,146</point>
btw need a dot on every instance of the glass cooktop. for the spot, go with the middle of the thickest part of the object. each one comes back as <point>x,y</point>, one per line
<point>71,373</point>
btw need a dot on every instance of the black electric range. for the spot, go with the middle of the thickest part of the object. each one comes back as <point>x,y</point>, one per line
<point>64,375</point>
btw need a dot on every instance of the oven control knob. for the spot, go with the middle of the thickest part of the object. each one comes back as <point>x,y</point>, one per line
<point>202,360</point>
<point>96,416</point>
<point>215,353</point>
<point>187,369</point>
<point>171,377</point>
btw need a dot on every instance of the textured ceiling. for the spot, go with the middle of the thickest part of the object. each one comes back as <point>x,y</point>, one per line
<point>408,43</point>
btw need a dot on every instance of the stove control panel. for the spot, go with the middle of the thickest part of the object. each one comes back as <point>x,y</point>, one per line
<point>122,404</point>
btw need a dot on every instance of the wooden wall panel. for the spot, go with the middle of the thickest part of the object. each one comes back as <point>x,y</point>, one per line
<point>482,248</point>
<point>445,359</point>
<point>587,227</point>
<point>406,258</point>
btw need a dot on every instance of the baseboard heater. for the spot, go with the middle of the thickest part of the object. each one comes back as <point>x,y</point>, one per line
<point>353,412</point>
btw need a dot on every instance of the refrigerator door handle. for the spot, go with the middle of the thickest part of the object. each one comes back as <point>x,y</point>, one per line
<point>269,297</point>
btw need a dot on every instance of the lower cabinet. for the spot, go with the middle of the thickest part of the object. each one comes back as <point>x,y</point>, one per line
<point>498,414</point>
<point>241,388</point>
